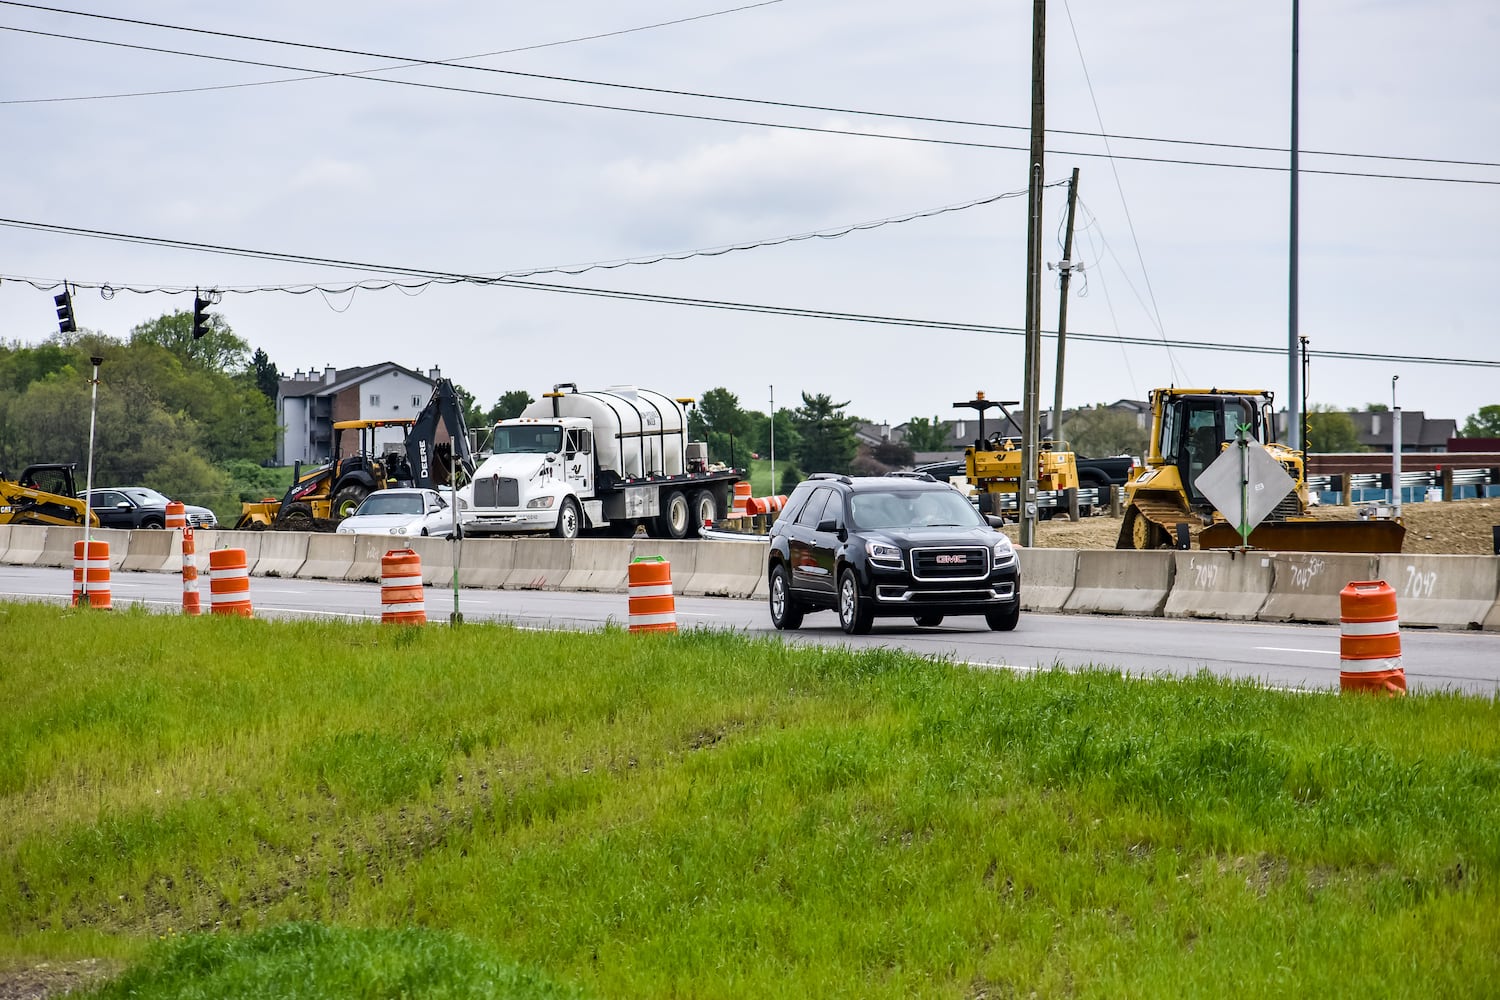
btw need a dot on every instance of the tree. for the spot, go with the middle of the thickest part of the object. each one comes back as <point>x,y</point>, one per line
<point>895,454</point>
<point>926,435</point>
<point>267,377</point>
<point>509,405</point>
<point>827,441</point>
<point>473,415</point>
<point>1100,431</point>
<point>719,420</point>
<point>1484,424</point>
<point>1331,430</point>
<point>219,351</point>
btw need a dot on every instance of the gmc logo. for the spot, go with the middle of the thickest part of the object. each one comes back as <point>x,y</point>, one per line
<point>948,560</point>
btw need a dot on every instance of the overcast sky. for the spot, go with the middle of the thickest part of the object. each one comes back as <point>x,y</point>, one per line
<point>437,174</point>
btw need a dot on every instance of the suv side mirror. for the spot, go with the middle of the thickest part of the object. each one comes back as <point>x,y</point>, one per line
<point>828,524</point>
<point>995,521</point>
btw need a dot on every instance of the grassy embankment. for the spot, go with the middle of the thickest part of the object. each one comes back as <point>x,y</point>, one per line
<point>494,812</point>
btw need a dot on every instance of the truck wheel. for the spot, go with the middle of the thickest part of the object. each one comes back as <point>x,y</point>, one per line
<point>676,517</point>
<point>569,520</point>
<point>705,510</point>
<point>349,496</point>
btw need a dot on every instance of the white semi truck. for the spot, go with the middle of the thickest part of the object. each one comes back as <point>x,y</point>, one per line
<point>602,462</point>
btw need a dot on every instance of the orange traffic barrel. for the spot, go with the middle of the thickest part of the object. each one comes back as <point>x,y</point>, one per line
<point>91,575</point>
<point>229,583</point>
<point>652,606</point>
<point>1370,639</point>
<point>401,600</point>
<point>765,505</point>
<point>741,499</point>
<point>177,519</point>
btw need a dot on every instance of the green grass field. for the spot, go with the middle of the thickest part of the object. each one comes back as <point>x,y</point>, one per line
<point>319,809</point>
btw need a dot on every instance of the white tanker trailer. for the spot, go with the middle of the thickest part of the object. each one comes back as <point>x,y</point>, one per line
<point>599,462</point>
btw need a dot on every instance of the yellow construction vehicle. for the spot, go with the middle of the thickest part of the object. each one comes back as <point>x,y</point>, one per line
<point>992,465</point>
<point>43,494</point>
<point>1190,428</point>
<point>331,491</point>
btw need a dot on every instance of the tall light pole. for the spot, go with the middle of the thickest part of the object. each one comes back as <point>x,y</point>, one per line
<point>773,440</point>
<point>88,489</point>
<point>1294,433</point>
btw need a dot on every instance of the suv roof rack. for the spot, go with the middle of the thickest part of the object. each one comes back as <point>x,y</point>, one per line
<point>839,476</point>
<point>926,477</point>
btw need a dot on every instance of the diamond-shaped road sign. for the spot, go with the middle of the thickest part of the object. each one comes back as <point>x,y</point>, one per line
<point>1263,479</point>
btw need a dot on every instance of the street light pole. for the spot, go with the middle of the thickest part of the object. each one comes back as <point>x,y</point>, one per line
<point>773,440</point>
<point>88,489</point>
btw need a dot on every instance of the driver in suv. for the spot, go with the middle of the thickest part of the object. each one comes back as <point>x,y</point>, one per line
<point>889,546</point>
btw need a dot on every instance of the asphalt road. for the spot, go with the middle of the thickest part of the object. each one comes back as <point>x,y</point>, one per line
<point>1290,656</point>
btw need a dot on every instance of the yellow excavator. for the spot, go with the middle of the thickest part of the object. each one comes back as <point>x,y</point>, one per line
<point>1190,428</point>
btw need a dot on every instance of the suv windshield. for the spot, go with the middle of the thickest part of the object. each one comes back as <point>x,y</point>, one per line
<point>912,508</point>
<point>531,439</point>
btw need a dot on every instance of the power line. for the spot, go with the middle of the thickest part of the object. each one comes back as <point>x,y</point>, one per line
<point>431,277</point>
<point>407,63</point>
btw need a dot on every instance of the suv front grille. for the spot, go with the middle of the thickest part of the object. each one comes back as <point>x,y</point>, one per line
<point>496,491</point>
<point>950,563</point>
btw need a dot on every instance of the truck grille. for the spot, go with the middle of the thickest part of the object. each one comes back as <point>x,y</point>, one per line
<point>495,491</point>
<point>950,563</point>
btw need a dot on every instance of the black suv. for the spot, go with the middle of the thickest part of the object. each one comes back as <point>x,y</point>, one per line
<point>898,545</point>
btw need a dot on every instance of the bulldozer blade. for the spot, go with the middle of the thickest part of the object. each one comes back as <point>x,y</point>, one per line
<point>1311,536</point>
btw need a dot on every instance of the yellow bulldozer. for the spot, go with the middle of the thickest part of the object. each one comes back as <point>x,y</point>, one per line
<point>1190,428</point>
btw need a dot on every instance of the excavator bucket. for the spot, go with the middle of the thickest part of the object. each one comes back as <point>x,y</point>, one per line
<point>1310,536</point>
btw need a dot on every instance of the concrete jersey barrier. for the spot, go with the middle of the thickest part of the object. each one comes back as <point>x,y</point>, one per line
<point>152,551</point>
<point>437,560</point>
<point>26,544</point>
<point>539,564</point>
<point>485,562</point>
<point>682,555</point>
<point>1442,591</point>
<point>328,557</point>
<point>1047,577</point>
<point>601,564</point>
<point>4,541</point>
<point>1219,584</point>
<point>366,554</point>
<point>57,550</point>
<point>205,542</point>
<point>727,569</point>
<point>1305,585</point>
<point>1121,582</point>
<point>281,553</point>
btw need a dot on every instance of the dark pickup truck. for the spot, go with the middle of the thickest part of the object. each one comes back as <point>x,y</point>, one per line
<point>1102,472</point>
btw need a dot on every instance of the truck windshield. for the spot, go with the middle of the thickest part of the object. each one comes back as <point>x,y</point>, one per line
<point>534,439</point>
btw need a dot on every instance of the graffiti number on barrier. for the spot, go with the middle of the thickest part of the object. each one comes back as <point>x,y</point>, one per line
<point>1303,573</point>
<point>1420,585</point>
<point>1205,575</point>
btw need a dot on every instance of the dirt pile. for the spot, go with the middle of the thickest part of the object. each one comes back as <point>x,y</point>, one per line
<point>1462,527</point>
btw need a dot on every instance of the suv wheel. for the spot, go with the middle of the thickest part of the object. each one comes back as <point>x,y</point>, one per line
<point>1004,621</point>
<point>855,613</point>
<point>786,613</point>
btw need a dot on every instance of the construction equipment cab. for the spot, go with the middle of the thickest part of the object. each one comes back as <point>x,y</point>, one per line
<point>1190,429</point>
<point>331,491</point>
<point>42,494</point>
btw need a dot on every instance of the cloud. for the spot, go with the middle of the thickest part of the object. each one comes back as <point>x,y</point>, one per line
<point>726,190</point>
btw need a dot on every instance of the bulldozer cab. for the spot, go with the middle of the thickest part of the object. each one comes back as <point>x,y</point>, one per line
<point>1195,427</point>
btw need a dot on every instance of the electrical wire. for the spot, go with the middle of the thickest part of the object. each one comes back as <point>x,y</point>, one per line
<point>721,119</point>
<point>460,62</point>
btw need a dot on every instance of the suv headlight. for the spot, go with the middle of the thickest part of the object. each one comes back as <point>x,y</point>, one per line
<point>1005,552</point>
<point>884,553</point>
<point>540,503</point>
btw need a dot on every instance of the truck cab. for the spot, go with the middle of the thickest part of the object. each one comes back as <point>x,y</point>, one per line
<point>538,478</point>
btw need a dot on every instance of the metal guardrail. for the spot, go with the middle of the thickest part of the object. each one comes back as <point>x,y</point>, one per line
<point>1340,482</point>
<point>1057,499</point>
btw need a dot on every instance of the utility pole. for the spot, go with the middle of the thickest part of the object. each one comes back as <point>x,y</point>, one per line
<point>773,440</point>
<point>1306,427</point>
<point>1294,433</point>
<point>1036,177</point>
<point>1065,267</point>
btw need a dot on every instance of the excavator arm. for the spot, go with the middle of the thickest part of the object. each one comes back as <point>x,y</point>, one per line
<point>433,464</point>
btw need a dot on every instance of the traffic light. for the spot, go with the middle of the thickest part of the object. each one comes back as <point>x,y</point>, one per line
<point>65,312</point>
<point>200,317</point>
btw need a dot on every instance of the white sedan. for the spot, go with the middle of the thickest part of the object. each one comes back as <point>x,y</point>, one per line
<point>406,512</point>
